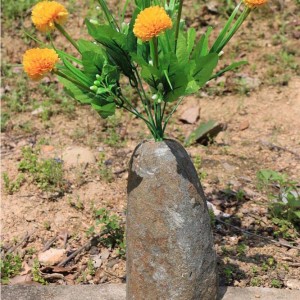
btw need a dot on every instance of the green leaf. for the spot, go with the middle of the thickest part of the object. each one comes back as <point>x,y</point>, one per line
<point>105,110</point>
<point>225,29</point>
<point>297,214</point>
<point>81,95</point>
<point>115,44</point>
<point>204,68</point>
<point>77,74</point>
<point>191,36</point>
<point>88,46</point>
<point>131,43</point>
<point>176,80</point>
<point>65,55</point>
<point>229,68</point>
<point>181,50</point>
<point>92,63</point>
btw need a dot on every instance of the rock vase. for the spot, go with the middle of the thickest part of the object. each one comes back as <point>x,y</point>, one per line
<point>170,249</point>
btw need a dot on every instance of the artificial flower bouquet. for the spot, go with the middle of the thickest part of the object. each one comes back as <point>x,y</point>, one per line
<point>154,53</point>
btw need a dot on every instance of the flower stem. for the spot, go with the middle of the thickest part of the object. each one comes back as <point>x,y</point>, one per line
<point>155,44</point>
<point>171,113</point>
<point>67,36</point>
<point>178,23</point>
<point>79,84</point>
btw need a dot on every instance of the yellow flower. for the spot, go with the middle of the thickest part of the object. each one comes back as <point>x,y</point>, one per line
<point>38,62</point>
<point>46,13</point>
<point>151,22</point>
<point>255,3</point>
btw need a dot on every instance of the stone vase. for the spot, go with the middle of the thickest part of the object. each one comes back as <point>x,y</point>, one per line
<point>170,251</point>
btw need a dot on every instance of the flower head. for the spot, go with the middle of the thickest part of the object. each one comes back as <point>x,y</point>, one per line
<point>255,3</point>
<point>46,13</point>
<point>38,62</point>
<point>151,22</point>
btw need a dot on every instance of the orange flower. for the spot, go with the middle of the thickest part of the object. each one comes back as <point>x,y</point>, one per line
<point>255,3</point>
<point>46,13</point>
<point>151,22</point>
<point>38,62</point>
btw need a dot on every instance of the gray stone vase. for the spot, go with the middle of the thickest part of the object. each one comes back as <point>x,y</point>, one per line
<point>170,251</point>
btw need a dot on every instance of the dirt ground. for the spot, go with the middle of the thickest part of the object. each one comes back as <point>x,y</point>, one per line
<point>260,105</point>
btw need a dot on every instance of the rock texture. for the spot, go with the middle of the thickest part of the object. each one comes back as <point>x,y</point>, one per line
<point>170,252</point>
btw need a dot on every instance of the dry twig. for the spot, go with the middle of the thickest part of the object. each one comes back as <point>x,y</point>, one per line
<point>24,240</point>
<point>88,244</point>
<point>49,243</point>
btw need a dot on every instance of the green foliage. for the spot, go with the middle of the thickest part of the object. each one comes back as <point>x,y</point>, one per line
<point>255,281</point>
<point>275,283</point>
<point>228,272</point>
<point>12,186</point>
<point>198,165</point>
<point>112,229</point>
<point>285,205</point>
<point>285,229</point>
<point>112,136</point>
<point>13,10</point>
<point>90,270</point>
<point>212,218</point>
<point>11,266</point>
<point>105,170</point>
<point>174,64</point>
<point>46,173</point>
<point>241,249</point>
<point>36,273</point>
<point>5,117</point>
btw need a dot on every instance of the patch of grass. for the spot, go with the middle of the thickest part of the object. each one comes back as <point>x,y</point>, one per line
<point>241,249</point>
<point>76,203</point>
<point>36,273</point>
<point>31,251</point>
<point>285,204</point>
<point>212,218</point>
<point>10,266</point>
<point>112,228</point>
<point>13,10</point>
<point>5,117</point>
<point>275,283</point>
<point>228,273</point>
<point>12,186</point>
<point>104,169</point>
<point>198,166</point>
<point>47,225</point>
<point>47,174</point>
<point>255,281</point>
<point>90,270</point>
<point>112,132</point>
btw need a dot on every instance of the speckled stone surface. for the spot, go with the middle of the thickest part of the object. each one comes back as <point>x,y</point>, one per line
<point>170,252</point>
<point>117,292</point>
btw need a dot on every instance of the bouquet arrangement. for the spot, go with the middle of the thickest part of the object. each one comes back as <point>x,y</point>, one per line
<point>154,53</point>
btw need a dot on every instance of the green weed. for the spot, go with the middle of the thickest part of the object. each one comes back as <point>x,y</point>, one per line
<point>12,186</point>
<point>36,273</point>
<point>275,283</point>
<point>5,117</point>
<point>228,272</point>
<point>13,10</point>
<point>47,174</point>
<point>285,205</point>
<point>198,166</point>
<point>11,266</point>
<point>104,169</point>
<point>241,249</point>
<point>112,229</point>
<point>113,138</point>
<point>255,281</point>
